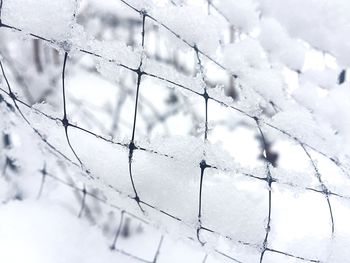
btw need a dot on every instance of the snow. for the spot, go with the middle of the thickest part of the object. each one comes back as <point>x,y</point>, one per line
<point>309,134</point>
<point>193,26</point>
<point>247,59</point>
<point>304,119</point>
<point>173,78</point>
<point>292,215</point>
<point>35,232</point>
<point>243,15</point>
<point>116,51</point>
<point>244,54</point>
<point>324,24</point>
<point>34,16</point>
<point>326,78</point>
<point>280,46</point>
<point>247,213</point>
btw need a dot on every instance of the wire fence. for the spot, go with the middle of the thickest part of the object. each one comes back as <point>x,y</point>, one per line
<point>14,103</point>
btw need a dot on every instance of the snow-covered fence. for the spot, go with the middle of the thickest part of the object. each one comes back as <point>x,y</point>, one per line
<point>195,187</point>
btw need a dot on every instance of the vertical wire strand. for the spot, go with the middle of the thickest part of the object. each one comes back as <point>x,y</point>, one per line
<point>113,246</point>
<point>64,120</point>
<point>132,146</point>
<point>269,182</point>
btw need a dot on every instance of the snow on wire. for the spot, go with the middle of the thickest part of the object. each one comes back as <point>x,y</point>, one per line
<point>140,72</point>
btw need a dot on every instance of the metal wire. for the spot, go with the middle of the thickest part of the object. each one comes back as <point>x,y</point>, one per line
<point>139,73</point>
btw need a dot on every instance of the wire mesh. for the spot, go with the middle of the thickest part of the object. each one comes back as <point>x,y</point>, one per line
<point>14,104</point>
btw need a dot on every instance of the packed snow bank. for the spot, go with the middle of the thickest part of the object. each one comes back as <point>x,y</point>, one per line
<point>45,232</point>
